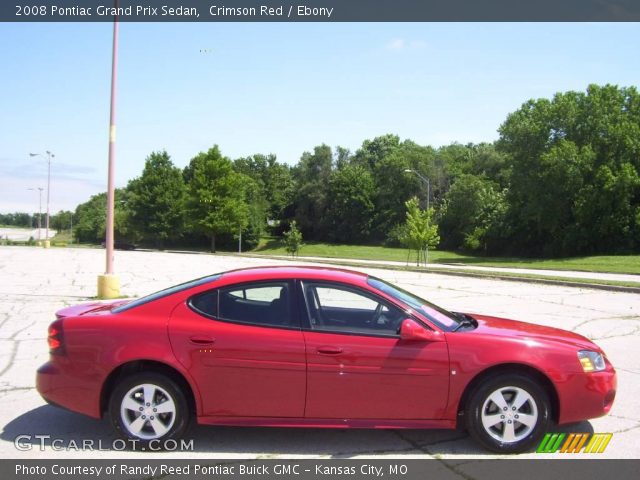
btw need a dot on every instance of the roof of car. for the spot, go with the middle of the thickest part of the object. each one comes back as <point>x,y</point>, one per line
<point>285,271</point>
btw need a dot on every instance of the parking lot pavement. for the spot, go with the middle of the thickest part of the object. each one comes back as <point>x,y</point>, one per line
<point>34,283</point>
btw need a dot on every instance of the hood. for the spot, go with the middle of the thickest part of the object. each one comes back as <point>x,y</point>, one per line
<point>502,327</point>
<point>85,308</point>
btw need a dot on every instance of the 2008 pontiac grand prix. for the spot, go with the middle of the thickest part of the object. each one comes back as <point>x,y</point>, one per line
<point>318,347</point>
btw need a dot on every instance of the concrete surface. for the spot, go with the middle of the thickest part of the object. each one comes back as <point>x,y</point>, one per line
<point>34,283</point>
<point>23,234</point>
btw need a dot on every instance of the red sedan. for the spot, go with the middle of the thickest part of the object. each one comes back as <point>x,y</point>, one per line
<point>318,347</point>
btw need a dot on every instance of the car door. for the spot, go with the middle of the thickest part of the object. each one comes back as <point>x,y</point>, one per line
<point>243,346</point>
<point>357,365</point>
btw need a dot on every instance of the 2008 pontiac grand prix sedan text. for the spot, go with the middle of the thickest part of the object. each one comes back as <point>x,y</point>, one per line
<point>318,347</point>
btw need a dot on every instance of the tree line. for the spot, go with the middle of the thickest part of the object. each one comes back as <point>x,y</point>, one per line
<point>562,179</point>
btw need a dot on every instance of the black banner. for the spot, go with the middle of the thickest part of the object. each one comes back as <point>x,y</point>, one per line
<point>320,10</point>
<point>361,469</point>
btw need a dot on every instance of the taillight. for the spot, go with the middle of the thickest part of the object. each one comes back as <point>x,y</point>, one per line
<point>55,339</point>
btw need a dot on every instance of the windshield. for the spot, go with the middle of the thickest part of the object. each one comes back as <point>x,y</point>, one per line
<point>441,317</point>
<point>166,292</point>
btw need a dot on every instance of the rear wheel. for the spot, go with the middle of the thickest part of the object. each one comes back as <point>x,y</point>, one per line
<point>149,408</point>
<point>508,413</point>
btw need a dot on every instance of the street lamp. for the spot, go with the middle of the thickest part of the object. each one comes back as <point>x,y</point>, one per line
<point>425,180</point>
<point>39,210</point>
<point>49,157</point>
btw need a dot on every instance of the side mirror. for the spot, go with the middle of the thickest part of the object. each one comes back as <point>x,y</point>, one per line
<point>412,330</point>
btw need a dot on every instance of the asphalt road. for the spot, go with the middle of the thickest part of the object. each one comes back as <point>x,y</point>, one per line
<point>35,282</point>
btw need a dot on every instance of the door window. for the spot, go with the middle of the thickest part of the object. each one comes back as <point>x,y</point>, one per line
<point>339,309</point>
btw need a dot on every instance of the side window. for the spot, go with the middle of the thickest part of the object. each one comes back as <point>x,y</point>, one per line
<point>334,308</point>
<point>206,303</point>
<point>257,304</point>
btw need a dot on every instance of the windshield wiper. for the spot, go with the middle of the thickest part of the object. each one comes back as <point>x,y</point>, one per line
<point>465,321</point>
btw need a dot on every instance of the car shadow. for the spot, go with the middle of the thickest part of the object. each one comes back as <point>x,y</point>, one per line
<point>46,424</point>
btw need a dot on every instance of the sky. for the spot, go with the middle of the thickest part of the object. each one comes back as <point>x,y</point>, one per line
<point>278,88</point>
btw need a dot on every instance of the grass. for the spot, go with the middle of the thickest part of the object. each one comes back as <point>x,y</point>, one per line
<point>63,236</point>
<point>629,264</point>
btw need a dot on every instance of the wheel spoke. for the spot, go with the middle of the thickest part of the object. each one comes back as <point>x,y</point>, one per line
<point>526,419</point>
<point>490,420</point>
<point>166,407</point>
<point>497,398</point>
<point>509,434</point>
<point>149,393</point>
<point>137,425</point>
<point>130,404</point>
<point>519,399</point>
<point>158,427</point>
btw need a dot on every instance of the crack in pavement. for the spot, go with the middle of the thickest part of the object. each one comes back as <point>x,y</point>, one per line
<point>6,391</point>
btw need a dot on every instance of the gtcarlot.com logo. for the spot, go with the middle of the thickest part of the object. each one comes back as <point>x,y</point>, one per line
<point>42,442</point>
<point>574,443</point>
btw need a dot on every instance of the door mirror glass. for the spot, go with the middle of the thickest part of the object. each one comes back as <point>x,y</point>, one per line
<point>412,330</point>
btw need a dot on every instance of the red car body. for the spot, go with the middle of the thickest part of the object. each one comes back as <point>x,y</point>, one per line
<point>245,374</point>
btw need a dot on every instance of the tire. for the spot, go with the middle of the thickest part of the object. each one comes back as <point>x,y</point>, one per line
<point>496,411</point>
<point>147,409</point>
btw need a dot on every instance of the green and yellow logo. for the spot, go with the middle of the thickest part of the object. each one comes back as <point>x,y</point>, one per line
<point>574,443</point>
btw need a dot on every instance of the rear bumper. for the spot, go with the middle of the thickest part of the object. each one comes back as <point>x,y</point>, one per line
<point>58,387</point>
<point>587,395</point>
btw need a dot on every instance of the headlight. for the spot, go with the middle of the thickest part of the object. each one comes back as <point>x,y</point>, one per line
<point>591,361</point>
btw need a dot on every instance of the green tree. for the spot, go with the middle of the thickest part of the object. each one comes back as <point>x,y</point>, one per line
<point>293,239</point>
<point>373,151</point>
<point>90,218</point>
<point>574,183</point>
<point>273,180</point>
<point>394,185</point>
<point>156,200</point>
<point>19,219</point>
<point>215,196</point>
<point>350,211</point>
<point>60,221</point>
<point>310,202</point>
<point>472,214</point>
<point>420,233</point>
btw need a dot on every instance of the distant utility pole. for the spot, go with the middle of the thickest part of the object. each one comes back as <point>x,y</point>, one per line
<point>39,209</point>
<point>49,157</point>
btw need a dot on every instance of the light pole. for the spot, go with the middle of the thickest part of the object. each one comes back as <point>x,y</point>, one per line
<point>425,180</point>
<point>109,283</point>
<point>49,157</point>
<point>39,210</point>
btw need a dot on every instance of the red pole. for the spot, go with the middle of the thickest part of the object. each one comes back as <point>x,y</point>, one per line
<point>112,148</point>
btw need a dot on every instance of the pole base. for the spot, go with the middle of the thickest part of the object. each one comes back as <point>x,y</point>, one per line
<point>108,286</point>
<point>46,243</point>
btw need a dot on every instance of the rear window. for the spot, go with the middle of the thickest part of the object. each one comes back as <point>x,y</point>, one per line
<point>166,292</point>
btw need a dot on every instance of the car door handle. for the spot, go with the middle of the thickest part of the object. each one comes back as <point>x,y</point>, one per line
<point>201,340</point>
<point>328,350</point>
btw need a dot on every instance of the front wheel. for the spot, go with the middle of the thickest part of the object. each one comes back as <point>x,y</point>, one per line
<point>508,413</point>
<point>149,407</point>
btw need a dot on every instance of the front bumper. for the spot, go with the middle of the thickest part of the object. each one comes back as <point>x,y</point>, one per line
<point>587,395</point>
